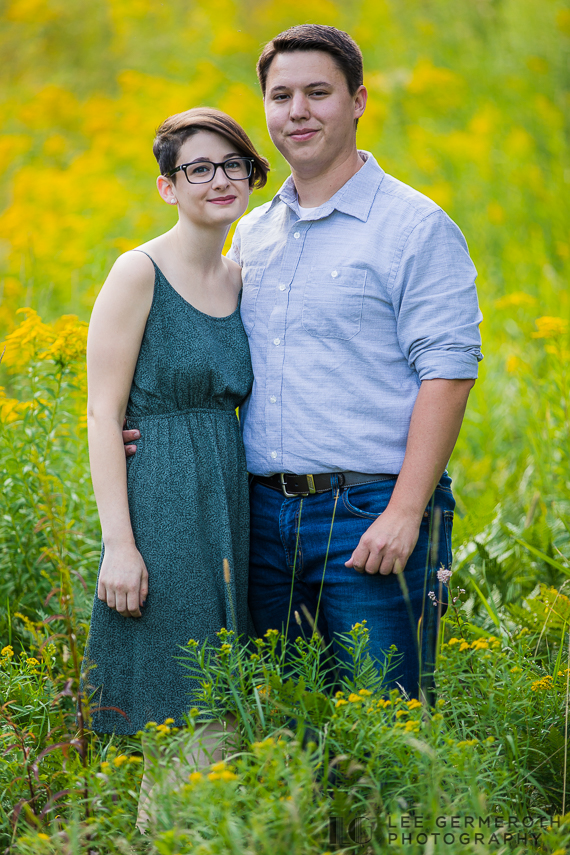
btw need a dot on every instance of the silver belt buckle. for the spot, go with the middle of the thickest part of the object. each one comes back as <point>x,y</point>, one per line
<point>310,482</point>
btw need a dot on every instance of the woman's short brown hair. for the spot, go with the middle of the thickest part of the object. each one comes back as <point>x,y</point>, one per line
<point>338,44</point>
<point>174,131</point>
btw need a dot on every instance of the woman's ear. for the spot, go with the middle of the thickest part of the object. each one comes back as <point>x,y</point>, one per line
<point>166,189</point>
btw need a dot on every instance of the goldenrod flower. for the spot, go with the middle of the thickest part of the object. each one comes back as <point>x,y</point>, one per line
<point>414,704</point>
<point>464,646</point>
<point>7,651</point>
<point>550,327</point>
<point>193,777</point>
<point>354,698</point>
<point>453,641</point>
<point>341,702</point>
<point>120,760</point>
<point>365,693</point>
<point>479,644</point>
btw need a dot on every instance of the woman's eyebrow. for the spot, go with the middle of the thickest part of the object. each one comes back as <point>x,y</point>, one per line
<point>209,159</point>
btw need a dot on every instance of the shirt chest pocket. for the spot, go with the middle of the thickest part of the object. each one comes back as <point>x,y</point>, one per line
<point>333,300</point>
<point>251,277</point>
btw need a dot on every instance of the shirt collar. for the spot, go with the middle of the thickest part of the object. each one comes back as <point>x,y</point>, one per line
<point>354,198</point>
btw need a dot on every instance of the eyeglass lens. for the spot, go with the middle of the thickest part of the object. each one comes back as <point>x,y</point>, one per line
<point>202,171</point>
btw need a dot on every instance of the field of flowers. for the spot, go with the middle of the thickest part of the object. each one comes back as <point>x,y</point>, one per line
<point>469,102</point>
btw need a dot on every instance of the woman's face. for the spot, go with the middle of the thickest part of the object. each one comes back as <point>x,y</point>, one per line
<point>217,202</point>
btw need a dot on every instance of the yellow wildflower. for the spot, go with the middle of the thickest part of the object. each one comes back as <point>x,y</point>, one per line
<point>414,704</point>
<point>150,725</point>
<point>120,760</point>
<point>32,662</point>
<point>549,327</point>
<point>464,646</point>
<point>365,693</point>
<point>228,775</point>
<point>194,712</point>
<point>382,704</point>
<point>163,728</point>
<point>339,694</point>
<point>105,767</point>
<point>193,777</point>
<point>169,721</point>
<point>479,644</point>
<point>341,702</point>
<point>467,743</point>
<point>7,651</point>
<point>354,698</point>
<point>453,641</point>
<point>516,670</point>
<point>135,759</point>
<point>542,685</point>
<point>43,836</point>
<point>400,713</point>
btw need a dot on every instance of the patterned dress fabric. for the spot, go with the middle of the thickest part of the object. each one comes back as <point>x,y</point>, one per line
<point>189,507</point>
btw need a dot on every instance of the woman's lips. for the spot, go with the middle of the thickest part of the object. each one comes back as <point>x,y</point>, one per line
<point>223,200</point>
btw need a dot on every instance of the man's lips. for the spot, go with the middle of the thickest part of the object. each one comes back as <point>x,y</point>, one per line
<point>223,200</point>
<point>302,134</point>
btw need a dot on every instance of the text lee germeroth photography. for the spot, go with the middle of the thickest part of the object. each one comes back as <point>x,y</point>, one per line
<point>332,609</point>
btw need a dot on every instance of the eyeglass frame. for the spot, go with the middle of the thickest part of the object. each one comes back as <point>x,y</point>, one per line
<point>184,167</point>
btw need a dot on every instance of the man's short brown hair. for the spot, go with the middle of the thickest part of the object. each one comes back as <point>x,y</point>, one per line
<point>174,131</point>
<point>338,44</point>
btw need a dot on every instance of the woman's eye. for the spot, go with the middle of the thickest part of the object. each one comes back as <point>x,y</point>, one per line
<point>233,164</point>
<point>200,170</point>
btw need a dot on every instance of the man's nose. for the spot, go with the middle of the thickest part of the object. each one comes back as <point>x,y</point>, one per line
<point>299,106</point>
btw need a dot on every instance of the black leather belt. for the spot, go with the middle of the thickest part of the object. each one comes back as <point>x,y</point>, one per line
<point>306,485</point>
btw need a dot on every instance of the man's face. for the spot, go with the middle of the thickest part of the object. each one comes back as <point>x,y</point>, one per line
<point>310,112</point>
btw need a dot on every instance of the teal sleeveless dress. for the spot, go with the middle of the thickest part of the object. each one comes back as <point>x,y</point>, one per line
<point>189,508</point>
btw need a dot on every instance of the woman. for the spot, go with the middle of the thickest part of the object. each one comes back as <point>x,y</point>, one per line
<point>167,348</point>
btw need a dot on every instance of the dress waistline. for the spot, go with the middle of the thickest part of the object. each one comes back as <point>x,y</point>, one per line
<point>137,417</point>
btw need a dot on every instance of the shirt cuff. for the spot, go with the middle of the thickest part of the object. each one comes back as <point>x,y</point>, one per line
<point>448,365</point>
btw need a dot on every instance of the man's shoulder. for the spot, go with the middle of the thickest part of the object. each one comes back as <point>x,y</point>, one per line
<point>253,217</point>
<point>410,203</point>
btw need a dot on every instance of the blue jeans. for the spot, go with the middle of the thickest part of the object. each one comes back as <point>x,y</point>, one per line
<point>290,536</point>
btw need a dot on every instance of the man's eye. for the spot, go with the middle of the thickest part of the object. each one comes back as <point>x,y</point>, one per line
<point>319,92</point>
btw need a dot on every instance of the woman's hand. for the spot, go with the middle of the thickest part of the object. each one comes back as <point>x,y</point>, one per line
<point>123,580</point>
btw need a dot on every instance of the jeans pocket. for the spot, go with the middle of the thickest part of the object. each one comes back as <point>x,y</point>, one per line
<point>251,277</point>
<point>332,303</point>
<point>368,501</point>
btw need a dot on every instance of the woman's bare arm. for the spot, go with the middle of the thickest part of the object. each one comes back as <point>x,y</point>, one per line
<point>115,334</point>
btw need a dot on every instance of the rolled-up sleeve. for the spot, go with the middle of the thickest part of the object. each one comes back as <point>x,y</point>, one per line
<point>435,301</point>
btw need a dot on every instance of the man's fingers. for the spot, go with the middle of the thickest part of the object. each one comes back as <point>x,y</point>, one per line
<point>130,450</point>
<point>131,435</point>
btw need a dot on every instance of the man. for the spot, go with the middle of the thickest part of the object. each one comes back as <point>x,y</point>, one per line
<point>360,306</point>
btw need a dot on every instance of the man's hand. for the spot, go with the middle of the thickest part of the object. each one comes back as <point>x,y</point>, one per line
<point>386,546</point>
<point>123,580</point>
<point>130,436</point>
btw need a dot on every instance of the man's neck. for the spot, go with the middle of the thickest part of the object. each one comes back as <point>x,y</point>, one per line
<point>316,188</point>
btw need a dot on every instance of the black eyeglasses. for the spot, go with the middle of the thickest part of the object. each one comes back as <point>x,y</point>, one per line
<point>202,171</point>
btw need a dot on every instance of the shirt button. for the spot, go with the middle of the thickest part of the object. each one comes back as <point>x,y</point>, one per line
<point>297,235</point>
<point>274,454</point>
<point>276,341</point>
<point>334,274</point>
<point>282,287</point>
<point>273,399</point>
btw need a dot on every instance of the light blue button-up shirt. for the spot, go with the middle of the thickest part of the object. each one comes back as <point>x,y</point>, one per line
<point>348,308</point>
